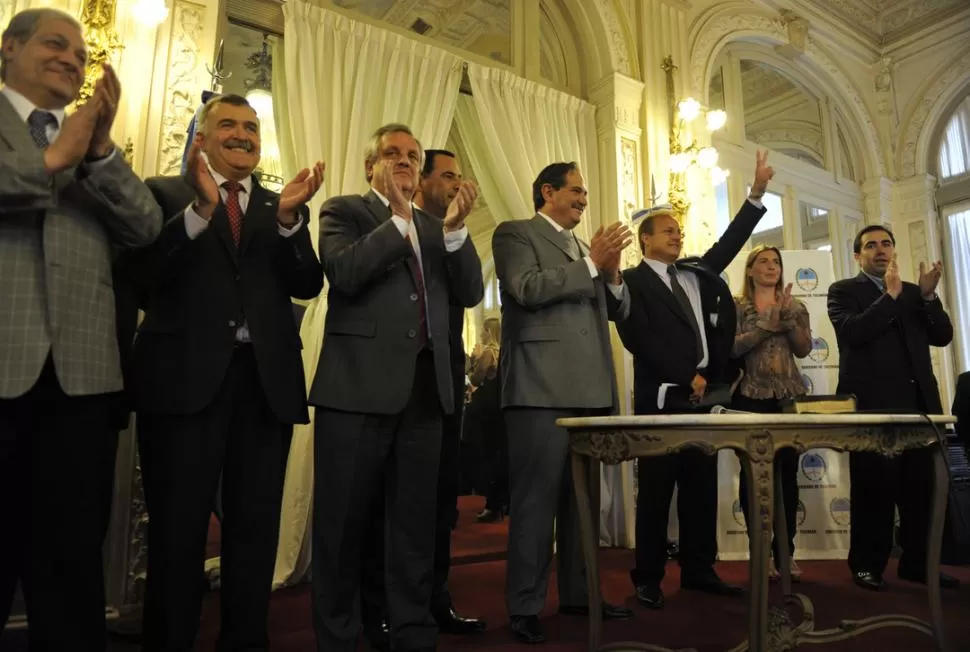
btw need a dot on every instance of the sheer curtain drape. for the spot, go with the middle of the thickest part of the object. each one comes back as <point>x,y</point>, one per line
<point>510,129</point>
<point>335,81</point>
<point>956,221</point>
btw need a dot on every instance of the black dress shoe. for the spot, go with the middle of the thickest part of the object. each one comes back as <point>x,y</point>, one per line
<point>946,581</point>
<point>650,595</point>
<point>527,630</point>
<point>449,622</point>
<point>870,581</point>
<point>713,585</point>
<point>491,515</point>
<point>610,611</point>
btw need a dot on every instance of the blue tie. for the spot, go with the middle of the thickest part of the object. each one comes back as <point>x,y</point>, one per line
<point>38,121</point>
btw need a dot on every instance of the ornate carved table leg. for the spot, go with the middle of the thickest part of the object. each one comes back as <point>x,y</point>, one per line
<point>934,548</point>
<point>590,541</point>
<point>781,534</point>
<point>759,462</point>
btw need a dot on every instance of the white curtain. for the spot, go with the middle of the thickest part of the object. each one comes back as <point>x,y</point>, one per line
<point>510,128</point>
<point>335,81</point>
<point>957,222</point>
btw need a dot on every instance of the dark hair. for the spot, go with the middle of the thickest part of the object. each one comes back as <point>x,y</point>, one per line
<point>429,156</point>
<point>646,226</point>
<point>229,98</point>
<point>24,24</point>
<point>553,174</point>
<point>857,244</point>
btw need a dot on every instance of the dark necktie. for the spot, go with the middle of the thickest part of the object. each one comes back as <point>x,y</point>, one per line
<point>419,282</point>
<point>37,122</point>
<point>684,302</point>
<point>233,209</point>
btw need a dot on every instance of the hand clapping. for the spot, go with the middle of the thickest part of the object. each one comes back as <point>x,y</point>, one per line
<point>929,277</point>
<point>461,206</point>
<point>606,249</point>
<point>298,192</point>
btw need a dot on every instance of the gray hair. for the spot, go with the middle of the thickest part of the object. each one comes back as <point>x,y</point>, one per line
<point>229,98</point>
<point>24,25</point>
<point>373,150</point>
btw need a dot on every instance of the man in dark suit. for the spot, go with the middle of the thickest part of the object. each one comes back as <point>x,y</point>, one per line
<point>885,328</point>
<point>556,361</point>
<point>69,203</point>
<point>217,375</point>
<point>383,382</point>
<point>961,408</point>
<point>680,332</point>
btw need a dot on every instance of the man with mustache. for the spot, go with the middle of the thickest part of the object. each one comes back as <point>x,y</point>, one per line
<point>217,374</point>
<point>885,329</point>
<point>556,361</point>
<point>382,386</point>
<point>68,205</point>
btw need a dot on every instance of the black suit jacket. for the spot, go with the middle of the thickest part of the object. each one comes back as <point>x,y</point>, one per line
<point>961,407</point>
<point>658,333</point>
<point>866,323</point>
<point>196,293</point>
<point>371,338</point>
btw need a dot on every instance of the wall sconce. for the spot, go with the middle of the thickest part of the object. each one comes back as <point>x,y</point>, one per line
<point>682,156</point>
<point>258,95</point>
<point>150,13</point>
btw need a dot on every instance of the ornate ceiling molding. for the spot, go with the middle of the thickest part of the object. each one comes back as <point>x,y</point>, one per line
<point>912,151</point>
<point>721,28</point>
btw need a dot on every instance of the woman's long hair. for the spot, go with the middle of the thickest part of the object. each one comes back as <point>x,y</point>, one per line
<point>747,294</point>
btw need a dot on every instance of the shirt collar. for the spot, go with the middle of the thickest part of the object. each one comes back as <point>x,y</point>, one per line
<point>880,283</point>
<point>386,201</point>
<point>247,183</point>
<point>555,225</point>
<point>25,107</point>
<point>658,266</point>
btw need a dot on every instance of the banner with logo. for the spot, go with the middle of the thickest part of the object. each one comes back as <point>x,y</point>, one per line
<point>823,475</point>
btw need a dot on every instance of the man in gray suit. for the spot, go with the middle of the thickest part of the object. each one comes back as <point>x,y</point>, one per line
<point>556,361</point>
<point>383,383</point>
<point>68,202</point>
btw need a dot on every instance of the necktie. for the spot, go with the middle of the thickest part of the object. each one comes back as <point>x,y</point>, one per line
<point>684,302</point>
<point>571,245</point>
<point>233,210</point>
<point>419,282</point>
<point>37,122</point>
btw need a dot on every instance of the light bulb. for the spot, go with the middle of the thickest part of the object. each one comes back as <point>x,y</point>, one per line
<point>716,119</point>
<point>689,109</point>
<point>262,103</point>
<point>679,162</point>
<point>707,157</point>
<point>150,12</point>
<point>719,175</point>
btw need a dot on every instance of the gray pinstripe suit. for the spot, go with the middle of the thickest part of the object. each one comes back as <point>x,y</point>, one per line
<point>56,292</point>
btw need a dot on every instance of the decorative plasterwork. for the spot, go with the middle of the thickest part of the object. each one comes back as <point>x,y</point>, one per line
<point>804,135</point>
<point>884,20</point>
<point>183,87</point>
<point>933,97</point>
<point>617,36</point>
<point>721,29</point>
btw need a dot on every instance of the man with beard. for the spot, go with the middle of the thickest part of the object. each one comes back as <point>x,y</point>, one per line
<point>556,361</point>
<point>217,374</point>
<point>383,383</point>
<point>68,205</point>
<point>885,329</point>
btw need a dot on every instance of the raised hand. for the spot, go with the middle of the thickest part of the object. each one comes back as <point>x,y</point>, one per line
<point>929,277</point>
<point>198,176</point>
<point>894,284</point>
<point>108,89</point>
<point>74,137</point>
<point>299,191</point>
<point>606,246</point>
<point>784,299</point>
<point>698,387</point>
<point>400,205</point>
<point>763,173</point>
<point>461,206</point>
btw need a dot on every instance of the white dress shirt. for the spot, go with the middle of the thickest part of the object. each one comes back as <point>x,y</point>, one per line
<point>453,242</point>
<point>688,280</point>
<point>25,107</point>
<point>617,290</point>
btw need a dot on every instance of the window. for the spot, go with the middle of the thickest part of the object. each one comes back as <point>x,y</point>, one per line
<point>956,221</point>
<point>769,230</point>
<point>955,148</point>
<point>815,227</point>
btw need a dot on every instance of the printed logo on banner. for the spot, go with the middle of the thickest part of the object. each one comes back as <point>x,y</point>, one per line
<point>839,509</point>
<point>800,513</point>
<point>738,514</point>
<point>820,350</point>
<point>813,467</point>
<point>807,279</point>
<point>809,385</point>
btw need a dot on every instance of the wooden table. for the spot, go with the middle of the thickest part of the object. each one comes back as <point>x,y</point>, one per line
<point>756,438</point>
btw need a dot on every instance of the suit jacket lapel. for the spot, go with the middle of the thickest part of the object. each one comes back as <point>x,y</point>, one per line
<point>262,206</point>
<point>660,289</point>
<point>870,289</point>
<point>220,222</point>
<point>376,207</point>
<point>547,231</point>
<point>424,223</point>
<point>14,130</point>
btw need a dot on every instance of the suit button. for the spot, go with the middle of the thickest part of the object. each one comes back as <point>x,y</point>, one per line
<point>414,296</point>
<point>583,331</point>
<point>412,333</point>
<point>232,323</point>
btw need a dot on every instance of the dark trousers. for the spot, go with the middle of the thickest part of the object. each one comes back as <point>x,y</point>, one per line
<point>878,485</point>
<point>786,467</point>
<point>57,457</point>
<point>362,461</point>
<point>695,475</point>
<point>497,467</point>
<point>182,456</point>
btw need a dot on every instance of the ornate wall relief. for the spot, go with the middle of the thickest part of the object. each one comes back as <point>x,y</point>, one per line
<point>619,52</point>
